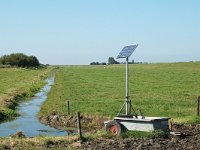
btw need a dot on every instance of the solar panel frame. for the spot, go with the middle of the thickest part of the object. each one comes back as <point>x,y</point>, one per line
<point>127,51</point>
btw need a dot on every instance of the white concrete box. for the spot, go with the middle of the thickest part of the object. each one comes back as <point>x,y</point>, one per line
<point>143,124</point>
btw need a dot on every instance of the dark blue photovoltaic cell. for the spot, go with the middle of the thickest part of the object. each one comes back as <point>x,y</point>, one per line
<point>127,51</point>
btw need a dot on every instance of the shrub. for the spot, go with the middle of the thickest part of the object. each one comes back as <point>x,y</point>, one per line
<point>19,60</point>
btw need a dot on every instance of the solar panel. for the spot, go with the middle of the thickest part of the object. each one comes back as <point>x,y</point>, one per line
<point>127,51</point>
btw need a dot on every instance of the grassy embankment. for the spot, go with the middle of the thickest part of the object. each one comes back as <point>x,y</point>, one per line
<point>40,143</point>
<point>168,89</point>
<point>16,84</point>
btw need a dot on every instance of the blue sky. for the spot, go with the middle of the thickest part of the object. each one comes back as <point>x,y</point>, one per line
<point>75,32</point>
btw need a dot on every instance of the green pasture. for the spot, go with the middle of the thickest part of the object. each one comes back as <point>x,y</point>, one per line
<point>165,89</point>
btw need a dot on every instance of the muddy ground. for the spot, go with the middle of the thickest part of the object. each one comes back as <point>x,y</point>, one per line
<point>187,136</point>
<point>60,122</point>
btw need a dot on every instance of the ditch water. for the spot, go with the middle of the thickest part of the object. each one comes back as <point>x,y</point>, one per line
<point>28,122</point>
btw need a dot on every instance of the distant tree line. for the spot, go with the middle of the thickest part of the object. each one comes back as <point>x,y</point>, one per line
<point>111,61</point>
<point>19,60</point>
<point>98,63</point>
<point>140,63</point>
<point>133,62</point>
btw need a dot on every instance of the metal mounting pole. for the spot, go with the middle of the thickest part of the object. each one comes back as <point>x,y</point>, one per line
<point>127,101</point>
<point>126,53</point>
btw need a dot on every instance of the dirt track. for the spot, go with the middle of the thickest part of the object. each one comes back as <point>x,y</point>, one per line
<point>189,139</point>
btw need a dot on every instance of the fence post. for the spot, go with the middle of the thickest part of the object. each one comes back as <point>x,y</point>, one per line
<point>198,102</point>
<point>68,112</point>
<point>79,125</point>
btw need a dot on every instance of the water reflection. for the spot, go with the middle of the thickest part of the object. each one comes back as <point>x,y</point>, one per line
<point>27,121</point>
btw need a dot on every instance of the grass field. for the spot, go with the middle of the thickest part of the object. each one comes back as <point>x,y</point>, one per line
<point>18,83</point>
<point>166,89</point>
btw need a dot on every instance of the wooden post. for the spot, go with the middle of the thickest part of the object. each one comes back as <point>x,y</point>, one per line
<point>79,125</point>
<point>68,112</point>
<point>198,102</point>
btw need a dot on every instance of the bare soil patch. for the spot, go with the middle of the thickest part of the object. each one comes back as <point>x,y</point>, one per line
<point>189,138</point>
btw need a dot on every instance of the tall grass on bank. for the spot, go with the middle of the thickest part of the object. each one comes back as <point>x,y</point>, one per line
<point>18,83</point>
<point>39,143</point>
<point>165,89</point>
